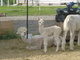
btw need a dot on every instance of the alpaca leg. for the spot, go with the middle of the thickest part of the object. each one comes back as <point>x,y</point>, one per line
<point>57,40</point>
<point>45,44</point>
<point>72,40</point>
<point>64,39</point>
<point>79,38</point>
<point>57,43</point>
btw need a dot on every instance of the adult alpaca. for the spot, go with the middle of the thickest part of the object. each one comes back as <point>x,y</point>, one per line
<point>49,31</point>
<point>72,24</point>
<point>35,42</point>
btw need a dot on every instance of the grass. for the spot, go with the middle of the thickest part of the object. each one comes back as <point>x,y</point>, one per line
<point>13,11</point>
<point>45,10</point>
<point>32,10</point>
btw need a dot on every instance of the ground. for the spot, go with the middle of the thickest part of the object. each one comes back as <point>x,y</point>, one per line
<point>15,50</point>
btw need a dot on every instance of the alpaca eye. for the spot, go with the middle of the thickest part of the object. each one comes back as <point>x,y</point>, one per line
<point>25,33</point>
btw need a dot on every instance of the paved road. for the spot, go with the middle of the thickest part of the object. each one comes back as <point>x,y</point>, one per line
<point>29,17</point>
<point>44,17</point>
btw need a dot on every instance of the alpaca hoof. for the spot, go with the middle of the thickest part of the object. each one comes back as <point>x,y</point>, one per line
<point>78,44</point>
<point>45,51</point>
<point>63,49</point>
<point>56,51</point>
<point>71,49</point>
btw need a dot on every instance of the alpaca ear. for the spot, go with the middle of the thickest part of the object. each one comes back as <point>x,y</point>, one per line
<point>38,19</point>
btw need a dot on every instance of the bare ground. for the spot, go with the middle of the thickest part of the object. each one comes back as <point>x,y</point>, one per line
<point>15,50</point>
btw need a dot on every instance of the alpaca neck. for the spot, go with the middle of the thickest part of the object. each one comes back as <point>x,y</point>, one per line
<point>41,28</point>
<point>24,39</point>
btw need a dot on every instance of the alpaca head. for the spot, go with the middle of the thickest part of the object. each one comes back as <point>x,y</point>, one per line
<point>22,31</point>
<point>41,21</point>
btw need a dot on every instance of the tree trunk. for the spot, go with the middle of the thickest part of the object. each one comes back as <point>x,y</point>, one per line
<point>13,2</point>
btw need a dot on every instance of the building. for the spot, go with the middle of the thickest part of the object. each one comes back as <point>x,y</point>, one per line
<point>50,2</point>
<point>21,2</point>
<point>40,2</point>
<point>43,2</point>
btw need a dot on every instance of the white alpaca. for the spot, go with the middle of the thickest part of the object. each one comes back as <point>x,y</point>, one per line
<point>49,31</point>
<point>72,24</point>
<point>21,29</point>
<point>35,42</point>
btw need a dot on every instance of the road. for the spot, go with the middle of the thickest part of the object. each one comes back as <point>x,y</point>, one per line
<point>29,17</point>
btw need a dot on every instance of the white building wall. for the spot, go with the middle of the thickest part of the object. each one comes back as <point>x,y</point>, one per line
<point>56,1</point>
<point>49,1</point>
<point>44,2</point>
<point>69,1</point>
<point>21,1</point>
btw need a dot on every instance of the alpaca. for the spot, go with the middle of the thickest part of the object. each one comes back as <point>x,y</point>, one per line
<point>72,24</point>
<point>21,29</point>
<point>46,32</point>
<point>36,41</point>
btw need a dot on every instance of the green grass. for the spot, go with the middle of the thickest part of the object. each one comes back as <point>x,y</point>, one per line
<point>21,10</point>
<point>45,10</point>
<point>13,11</point>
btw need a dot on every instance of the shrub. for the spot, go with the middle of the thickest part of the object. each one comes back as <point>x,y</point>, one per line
<point>9,35</point>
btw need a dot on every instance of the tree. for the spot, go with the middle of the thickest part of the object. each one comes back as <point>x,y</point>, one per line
<point>10,1</point>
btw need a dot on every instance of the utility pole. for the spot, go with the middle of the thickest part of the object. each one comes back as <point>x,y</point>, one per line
<point>39,5</point>
<point>27,18</point>
<point>1,2</point>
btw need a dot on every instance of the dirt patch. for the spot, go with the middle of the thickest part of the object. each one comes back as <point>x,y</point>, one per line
<point>15,50</point>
